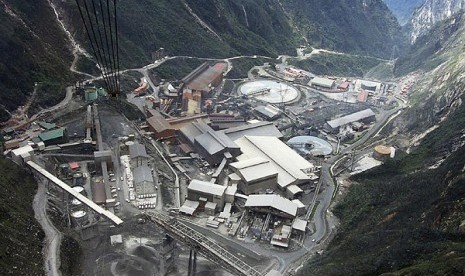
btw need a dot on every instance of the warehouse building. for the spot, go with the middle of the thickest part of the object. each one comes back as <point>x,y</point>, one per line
<point>269,112</point>
<point>54,137</point>
<point>319,82</point>
<point>273,204</point>
<point>143,180</point>
<point>364,116</point>
<point>212,145</point>
<point>138,154</point>
<point>206,192</point>
<point>254,129</point>
<point>292,168</point>
<point>159,126</point>
<point>199,83</point>
<point>255,174</point>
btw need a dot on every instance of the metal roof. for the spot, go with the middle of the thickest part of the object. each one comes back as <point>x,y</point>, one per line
<point>323,82</point>
<point>47,126</point>
<point>354,117</point>
<point>137,150</point>
<point>299,224</point>
<point>254,169</point>
<point>290,166</point>
<point>206,187</point>
<point>194,129</point>
<point>189,207</point>
<point>274,201</point>
<point>269,111</point>
<point>158,122</point>
<point>141,174</point>
<point>298,203</point>
<point>255,129</point>
<point>204,75</point>
<point>52,134</point>
<point>212,141</point>
<point>294,189</point>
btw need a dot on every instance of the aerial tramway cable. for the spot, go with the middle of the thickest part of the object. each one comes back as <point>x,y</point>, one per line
<point>102,33</point>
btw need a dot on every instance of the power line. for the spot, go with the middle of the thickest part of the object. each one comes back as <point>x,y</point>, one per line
<point>91,42</point>
<point>97,21</point>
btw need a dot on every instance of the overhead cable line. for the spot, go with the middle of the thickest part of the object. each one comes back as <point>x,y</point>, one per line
<point>102,32</point>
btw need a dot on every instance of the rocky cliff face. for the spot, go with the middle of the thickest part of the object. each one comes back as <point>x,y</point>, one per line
<point>403,9</point>
<point>430,13</point>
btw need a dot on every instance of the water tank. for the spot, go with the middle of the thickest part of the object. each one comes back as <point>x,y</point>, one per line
<point>64,169</point>
<point>382,153</point>
<point>78,179</point>
<point>79,218</point>
<point>91,95</point>
<point>79,189</point>
<point>76,202</point>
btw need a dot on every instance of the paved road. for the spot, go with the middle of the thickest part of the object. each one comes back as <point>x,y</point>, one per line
<point>53,237</point>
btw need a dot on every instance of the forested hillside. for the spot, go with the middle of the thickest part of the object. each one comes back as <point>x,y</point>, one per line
<point>32,49</point>
<point>365,27</point>
<point>21,238</point>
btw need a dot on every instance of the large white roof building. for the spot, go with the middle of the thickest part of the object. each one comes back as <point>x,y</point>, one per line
<point>276,203</point>
<point>290,166</point>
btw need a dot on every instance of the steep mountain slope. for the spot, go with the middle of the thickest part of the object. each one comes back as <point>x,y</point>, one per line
<point>21,239</point>
<point>403,9</point>
<point>430,13</point>
<point>225,28</point>
<point>440,58</point>
<point>32,49</point>
<point>407,216</point>
<point>364,27</point>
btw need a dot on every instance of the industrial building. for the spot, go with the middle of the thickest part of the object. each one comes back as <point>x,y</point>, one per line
<point>253,129</point>
<point>292,168</point>
<point>138,155</point>
<point>269,112</point>
<point>256,174</point>
<point>273,204</point>
<point>199,83</point>
<point>214,146</point>
<point>206,192</point>
<point>365,116</point>
<point>143,180</point>
<point>159,126</point>
<point>54,137</point>
<point>318,82</point>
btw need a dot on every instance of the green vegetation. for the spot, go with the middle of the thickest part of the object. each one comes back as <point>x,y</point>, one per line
<point>425,53</point>
<point>241,66</point>
<point>176,69</point>
<point>403,218</point>
<point>357,26</point>
<point>70,256</point>
<point>29,53</point>
<point>21,239</point>
<point>336,64</point>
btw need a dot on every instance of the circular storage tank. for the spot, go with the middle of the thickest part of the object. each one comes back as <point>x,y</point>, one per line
<point>78,179</point>
<point>75,202</point>
<point>270,91</point>
<point>79,189</point>
<point>64,169</point>
<point>311,145</point>
<point>79,217</point>
<point>382,152</point>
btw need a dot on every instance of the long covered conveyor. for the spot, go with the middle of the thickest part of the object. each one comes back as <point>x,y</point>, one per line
<point>116,220</point>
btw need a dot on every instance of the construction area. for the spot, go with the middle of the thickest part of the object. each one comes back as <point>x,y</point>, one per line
<point>231,170</point>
